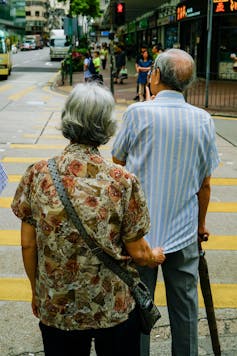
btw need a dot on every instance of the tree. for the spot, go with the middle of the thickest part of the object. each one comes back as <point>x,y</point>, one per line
<point>90,8</point>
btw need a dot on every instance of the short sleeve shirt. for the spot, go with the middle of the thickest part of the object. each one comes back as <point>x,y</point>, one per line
<point>75,290</point>
<point>87,73</point>
<point>170,146</point>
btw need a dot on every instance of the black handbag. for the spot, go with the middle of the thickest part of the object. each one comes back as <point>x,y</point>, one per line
<point>148,311</point>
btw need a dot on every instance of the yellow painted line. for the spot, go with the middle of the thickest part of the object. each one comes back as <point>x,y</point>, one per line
<point>5,202</point>
<point>215,242</point>
<point>221,242</point>
<point>224,118</point>
<point>22,159</point>
<point>223,181</point>
<point>14,178</point>
<point>44,136</point>
<point>224,295</point>
<point>10,237</point>
<point>36,146</point>
<point>222,207</point>
<point>18,289</point>
<point>5,87</point>
<point>21,93</point>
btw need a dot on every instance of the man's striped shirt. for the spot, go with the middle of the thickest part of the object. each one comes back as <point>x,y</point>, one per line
<point>3,178</point>
<point>170,146</point>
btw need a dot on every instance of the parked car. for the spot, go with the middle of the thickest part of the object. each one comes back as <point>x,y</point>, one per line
<point>28,45</point>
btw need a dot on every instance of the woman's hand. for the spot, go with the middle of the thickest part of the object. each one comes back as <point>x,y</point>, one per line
<point>34,306</point>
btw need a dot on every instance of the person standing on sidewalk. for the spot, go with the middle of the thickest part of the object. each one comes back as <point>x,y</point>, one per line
<point>3,178</point>
<point>143,67</point>
<point>74,295</point>
<point>170,146</point>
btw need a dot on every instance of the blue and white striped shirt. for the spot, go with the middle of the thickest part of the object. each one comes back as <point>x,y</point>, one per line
<point>3,178</point>
<point>170,146</point>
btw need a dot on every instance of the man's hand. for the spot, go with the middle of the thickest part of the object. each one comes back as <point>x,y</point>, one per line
<point>158,257</point>
<point>148,95</point>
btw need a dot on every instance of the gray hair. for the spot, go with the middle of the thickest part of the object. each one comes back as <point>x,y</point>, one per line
<point>87,116</point>
<point>177,69</point>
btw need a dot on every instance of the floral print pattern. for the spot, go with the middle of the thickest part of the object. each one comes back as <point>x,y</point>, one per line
<point>74,289</point>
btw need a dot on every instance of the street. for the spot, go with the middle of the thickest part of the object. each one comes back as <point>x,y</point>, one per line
<point>29,131</point>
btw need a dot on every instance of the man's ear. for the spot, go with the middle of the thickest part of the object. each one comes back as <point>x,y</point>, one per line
<point>155,80</point>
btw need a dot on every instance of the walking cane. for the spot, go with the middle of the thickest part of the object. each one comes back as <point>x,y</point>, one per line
<point>207,296</point>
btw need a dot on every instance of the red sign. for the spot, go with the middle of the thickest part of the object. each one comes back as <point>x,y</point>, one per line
<point>120,8</point>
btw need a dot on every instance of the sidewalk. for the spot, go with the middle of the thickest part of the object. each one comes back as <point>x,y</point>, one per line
<point>125,93</point>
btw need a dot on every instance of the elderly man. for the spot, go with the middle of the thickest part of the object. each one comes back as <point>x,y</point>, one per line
<point>170,146</point>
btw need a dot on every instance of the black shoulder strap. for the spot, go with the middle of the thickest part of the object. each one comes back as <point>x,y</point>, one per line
<point>109,261</point>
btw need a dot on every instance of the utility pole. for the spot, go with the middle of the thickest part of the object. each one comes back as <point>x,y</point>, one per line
<point>111,46</point>
<point>209,37</point>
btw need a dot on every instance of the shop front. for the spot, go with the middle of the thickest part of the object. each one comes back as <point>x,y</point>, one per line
<point>191,16</point>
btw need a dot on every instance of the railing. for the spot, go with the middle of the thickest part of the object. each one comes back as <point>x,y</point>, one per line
<point>222,94</point>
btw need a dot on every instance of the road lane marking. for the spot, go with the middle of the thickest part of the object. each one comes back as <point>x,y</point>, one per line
<point>5,87</point>
<point>215,242</point>
<point>214,181</point>
<point>222,207</point>
<point>44,136</point>
<point>224,295</point>
<point>21,93</point>
<point>46,146</point>
<point>10,237</point>
<point>223,181</point>
<point>5,202</point>
<point>23,159</point>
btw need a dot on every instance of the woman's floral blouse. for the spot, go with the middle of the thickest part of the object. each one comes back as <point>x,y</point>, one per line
<point>73,288</point>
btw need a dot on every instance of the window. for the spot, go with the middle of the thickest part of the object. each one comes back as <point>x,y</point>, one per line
<point>28,13</point>
<point>37,13</point>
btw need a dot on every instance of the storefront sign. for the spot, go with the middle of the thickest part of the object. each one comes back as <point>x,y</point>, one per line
<point>224,6</point>
<point>193,8</point>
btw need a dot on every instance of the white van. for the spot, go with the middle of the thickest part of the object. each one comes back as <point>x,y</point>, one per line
<point>58,44</point>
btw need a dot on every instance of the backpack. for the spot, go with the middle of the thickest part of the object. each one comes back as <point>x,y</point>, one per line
<point>91,66</point>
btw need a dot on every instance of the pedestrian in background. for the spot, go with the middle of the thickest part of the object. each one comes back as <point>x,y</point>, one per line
<point>143,48</point>
<point>87,73</point>
<point>96,61</point>
<point>156,50</point>
<point>120,62</point>
<point>170,146</point>
<point>74,295</point>
<point>3,178</point>
<point>104,55</point>
<point>143,66</point>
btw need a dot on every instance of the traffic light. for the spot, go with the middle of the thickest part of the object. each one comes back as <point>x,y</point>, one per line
<point>119,13</point>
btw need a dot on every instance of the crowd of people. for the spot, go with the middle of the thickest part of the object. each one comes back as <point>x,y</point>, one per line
<point>146,209</point>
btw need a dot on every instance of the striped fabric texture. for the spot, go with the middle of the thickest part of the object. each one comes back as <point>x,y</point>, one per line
<point>170,146</point>
<point>3,178</point>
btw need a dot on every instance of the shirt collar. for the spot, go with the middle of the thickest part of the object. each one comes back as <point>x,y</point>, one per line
<point>75,147</point>
<point>169,95</point>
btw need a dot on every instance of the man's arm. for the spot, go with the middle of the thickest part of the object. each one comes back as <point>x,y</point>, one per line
<point>143,255</point>
<point>203,200</point>
<point>115,160</point>
<point>29,255</point>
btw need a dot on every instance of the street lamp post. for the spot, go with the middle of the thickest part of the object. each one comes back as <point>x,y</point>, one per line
<point>209,37</point>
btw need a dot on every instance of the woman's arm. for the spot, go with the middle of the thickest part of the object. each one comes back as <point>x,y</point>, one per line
<point>29,254</point>
<point>143,255</point>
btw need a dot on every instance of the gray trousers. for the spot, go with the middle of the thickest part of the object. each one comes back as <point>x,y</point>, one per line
<point>180,272</point>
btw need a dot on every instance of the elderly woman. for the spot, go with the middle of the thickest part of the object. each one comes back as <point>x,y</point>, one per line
<point>74,295</point>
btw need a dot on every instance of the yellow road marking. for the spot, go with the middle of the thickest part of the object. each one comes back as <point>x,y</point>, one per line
<point>10,237</point>
<point>14,178</point>
<point>5,202</point>
<point>215,181</point>
<point>23,159</point>
<point>222,207</point>
<point>22,93</point>
<point>45,136</point>
<point>36,146</point>
<point>224,295</point>
<point>18,289</point>
<point>223,181</point>
<point>221,242</point>
<point>6,87</point>
<point>45,146</point>
<point>215,242</point>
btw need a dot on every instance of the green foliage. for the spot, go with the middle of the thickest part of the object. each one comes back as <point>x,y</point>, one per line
<point>89,8</point>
